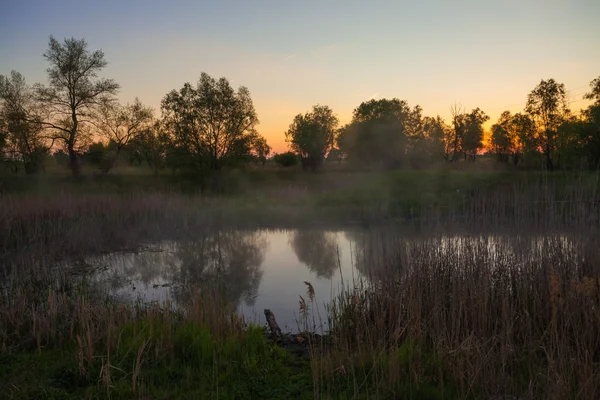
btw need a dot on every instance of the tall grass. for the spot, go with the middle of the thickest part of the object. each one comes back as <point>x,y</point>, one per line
<point>499,296</point>
<point>475,316</point>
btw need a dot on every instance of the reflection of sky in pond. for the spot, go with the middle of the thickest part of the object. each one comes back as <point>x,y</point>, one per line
<point>155,272</point>
<point>268,268</point>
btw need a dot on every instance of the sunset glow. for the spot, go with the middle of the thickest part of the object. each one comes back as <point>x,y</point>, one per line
<point>430,53</point>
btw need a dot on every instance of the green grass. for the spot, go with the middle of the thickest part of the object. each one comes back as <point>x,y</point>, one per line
<point>200,366</point>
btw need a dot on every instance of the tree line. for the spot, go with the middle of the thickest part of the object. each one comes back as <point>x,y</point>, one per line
<point>210,126</point>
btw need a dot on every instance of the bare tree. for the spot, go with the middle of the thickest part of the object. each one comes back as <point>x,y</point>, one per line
<point>74,90</point>
<point>120,124</point>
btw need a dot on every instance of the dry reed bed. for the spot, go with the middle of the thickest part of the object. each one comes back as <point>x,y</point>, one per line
<point>489,315</point>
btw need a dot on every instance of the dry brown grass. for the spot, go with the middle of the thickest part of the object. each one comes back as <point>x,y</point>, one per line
<point>497,313</point>
<point>492,315</point>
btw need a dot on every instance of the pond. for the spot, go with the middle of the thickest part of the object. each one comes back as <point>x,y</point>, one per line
<point>267,269</point>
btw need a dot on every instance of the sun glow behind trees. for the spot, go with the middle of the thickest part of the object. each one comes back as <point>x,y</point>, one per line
<point>209,126</point>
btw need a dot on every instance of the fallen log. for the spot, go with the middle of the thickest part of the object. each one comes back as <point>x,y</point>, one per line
<point>275,330</point>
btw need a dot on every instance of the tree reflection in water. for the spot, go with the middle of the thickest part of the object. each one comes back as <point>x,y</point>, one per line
<point>378,254</point>
<point>317,250</point>
<point>225,262</point>
<point>228,262</point>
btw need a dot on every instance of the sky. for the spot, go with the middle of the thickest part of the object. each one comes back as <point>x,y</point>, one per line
<point>292,55</point>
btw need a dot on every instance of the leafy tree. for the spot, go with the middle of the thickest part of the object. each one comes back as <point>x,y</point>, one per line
<point>503,137</point>
<point>96,154</point>
<point>589,130</point>
<point>211,122</point>
<point>73,92</point>
<point>377,134</point>
<point>438,136</point>
<point>261,149</point>
<point>152,145</point>
<point>594,94</point>
<point>287,159</point>
<point>458,131</point>
<point>312,135</point>
<point>20,118</point>
<point>467,132</point>
<point>119,125</point>
<point>418,146</point>
<point>547,106</point>
<point>472,140</point>
<point>525,140</point>
<point>61,158</point>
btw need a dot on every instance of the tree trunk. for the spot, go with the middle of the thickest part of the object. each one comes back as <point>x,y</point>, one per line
<point>73,161</point>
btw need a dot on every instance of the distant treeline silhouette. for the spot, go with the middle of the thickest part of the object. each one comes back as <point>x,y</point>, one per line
<point>208,126</point>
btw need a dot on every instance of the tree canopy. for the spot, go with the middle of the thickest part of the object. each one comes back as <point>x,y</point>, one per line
<point>312,135</point>
<point>73,92</point>
<point>211,124</point>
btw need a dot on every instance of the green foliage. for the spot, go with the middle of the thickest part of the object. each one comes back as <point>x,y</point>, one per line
<point>73,90</point>
<point>97,154</point>
<point>547,106</point>
<point>120,125</point>
<point>21,139</point>
<point>287,159</point>
<point>312,135</point>
<point>211,125</point>
<point>378,133</point>
<point>261,149</point>
<point>154,146</point>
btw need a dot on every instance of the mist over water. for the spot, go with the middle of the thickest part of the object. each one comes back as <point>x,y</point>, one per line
<point>266,269</point>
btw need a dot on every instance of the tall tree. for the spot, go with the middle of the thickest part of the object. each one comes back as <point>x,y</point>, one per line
<point>504,137</point>
<point>74,90</point>
<point>211,121</point>
<point>439,138</point>
<point>22,130</point>
<point>547,106</point>
<point>473,135</point>
<point>590,128</point>
<point>121,124</point>
<point>594,93</point>
<point>378,133</point>
<point>312,135</point>
<point>526,143</point>
<point>458,130</point>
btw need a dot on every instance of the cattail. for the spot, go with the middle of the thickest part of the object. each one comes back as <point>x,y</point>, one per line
<point>310,291</point>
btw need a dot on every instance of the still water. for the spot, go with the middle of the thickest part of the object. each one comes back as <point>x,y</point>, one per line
<point>256,269</point>
<point>267,268</point>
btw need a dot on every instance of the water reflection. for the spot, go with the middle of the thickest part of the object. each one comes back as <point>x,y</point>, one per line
<point>318,250</point>
<point>266,269</point>
<point>378,254</point>
<point>228,262</point>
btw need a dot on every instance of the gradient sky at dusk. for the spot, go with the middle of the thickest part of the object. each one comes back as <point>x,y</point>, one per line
<point>294,54</point>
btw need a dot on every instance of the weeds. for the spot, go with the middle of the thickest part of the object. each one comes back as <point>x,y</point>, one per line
<point>497,293</point>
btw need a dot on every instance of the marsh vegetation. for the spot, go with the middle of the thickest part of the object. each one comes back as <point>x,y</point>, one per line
<point>407,259</point>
